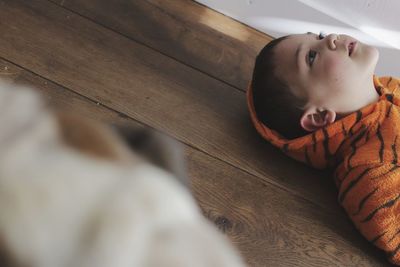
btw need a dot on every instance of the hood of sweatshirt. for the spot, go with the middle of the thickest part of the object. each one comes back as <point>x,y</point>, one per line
<point>327,146</point>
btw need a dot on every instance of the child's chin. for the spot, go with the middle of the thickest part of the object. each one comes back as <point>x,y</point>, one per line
<point>373,54</point>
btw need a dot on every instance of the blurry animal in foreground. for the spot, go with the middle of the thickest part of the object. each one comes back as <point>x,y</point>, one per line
<point>73,193</point>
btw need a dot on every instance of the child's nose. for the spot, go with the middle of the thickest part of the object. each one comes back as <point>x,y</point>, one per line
<point>331,39</point>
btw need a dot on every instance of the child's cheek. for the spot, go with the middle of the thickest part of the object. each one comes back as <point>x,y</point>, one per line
<point>334,68</point>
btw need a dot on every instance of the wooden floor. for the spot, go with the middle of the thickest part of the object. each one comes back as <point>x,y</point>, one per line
<point>182,69</point>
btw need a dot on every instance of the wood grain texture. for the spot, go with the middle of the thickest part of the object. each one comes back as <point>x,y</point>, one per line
<point>184,30</point>
<point>270,226</point>
<point>151,88</point>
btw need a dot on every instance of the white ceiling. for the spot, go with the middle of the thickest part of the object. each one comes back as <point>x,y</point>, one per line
<point>375,22</point>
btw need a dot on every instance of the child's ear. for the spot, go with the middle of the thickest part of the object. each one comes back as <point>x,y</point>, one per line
<point>315,118</point>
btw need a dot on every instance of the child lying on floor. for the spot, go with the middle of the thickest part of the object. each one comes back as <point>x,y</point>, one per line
<point>316,98</point>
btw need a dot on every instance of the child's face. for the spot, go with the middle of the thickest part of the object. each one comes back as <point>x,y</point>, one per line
<point>321,69</point>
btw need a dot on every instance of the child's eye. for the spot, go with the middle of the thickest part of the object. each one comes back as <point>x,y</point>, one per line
<point>321,35</point>
<point>311,57</point>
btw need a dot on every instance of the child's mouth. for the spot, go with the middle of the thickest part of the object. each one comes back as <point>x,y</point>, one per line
<point>351,47</point>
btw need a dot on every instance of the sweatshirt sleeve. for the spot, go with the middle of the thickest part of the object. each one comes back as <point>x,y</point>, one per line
<point>370,196</point>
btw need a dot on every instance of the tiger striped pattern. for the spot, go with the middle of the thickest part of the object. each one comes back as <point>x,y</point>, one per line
<point>362,149</point>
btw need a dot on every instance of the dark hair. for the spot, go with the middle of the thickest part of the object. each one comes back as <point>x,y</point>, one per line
<point>275,104</point>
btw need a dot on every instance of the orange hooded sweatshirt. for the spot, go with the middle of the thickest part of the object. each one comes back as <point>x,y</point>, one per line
<point>362,150</point>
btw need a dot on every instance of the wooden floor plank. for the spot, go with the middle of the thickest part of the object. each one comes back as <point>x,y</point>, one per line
<point>151,88</point>
<point>270,226</point>
<point>184,30</point>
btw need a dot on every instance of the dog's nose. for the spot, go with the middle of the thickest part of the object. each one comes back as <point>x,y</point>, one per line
<point>158,148</point>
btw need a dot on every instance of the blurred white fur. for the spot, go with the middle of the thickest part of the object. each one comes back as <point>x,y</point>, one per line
<point>60,207</point>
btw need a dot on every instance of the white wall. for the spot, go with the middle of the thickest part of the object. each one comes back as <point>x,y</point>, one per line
<point>375,22</point>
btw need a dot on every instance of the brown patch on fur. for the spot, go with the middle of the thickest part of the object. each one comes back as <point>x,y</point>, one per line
<point>92,138</point>
<point>131,145</point>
